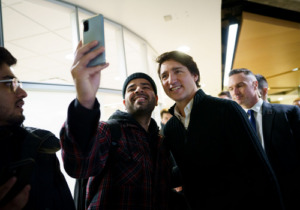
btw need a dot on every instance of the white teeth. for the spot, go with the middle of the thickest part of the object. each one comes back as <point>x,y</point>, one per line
<point>175,88</point>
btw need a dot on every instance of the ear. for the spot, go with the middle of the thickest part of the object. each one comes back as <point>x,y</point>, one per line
<point>195,77</point>
<point>124,102</point>
<point>265,91</point>
<point>156,97</point>
<point>255,85</point>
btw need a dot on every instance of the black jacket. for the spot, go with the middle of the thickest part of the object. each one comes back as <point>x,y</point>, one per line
<point>222,164</point>
<point>49,189</point>
<point>281,131</point>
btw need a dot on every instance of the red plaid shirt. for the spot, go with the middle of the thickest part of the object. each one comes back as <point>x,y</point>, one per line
<point>137,175</point>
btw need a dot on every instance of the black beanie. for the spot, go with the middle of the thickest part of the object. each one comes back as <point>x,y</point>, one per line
<point>136,76</point>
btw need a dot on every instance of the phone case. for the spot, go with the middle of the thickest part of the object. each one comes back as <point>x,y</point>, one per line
<point>23,171</point>
<point>93,29</point>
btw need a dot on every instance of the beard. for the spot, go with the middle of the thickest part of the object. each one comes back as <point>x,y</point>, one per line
<point>142,109</point>
<point>16,120</point>
<point>10,116</point>
<point>12,119</point>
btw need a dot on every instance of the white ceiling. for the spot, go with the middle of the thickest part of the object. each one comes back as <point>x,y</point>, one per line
<point>195,23</point>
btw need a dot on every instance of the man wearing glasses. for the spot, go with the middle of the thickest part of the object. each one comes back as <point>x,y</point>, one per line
<point>28,162</point>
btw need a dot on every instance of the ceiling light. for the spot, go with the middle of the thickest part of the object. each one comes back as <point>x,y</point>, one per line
<point>184,48</point>
<point>280,99</point>
<point>295,69</point>
<point>232,34</point>
<point>168,17</point>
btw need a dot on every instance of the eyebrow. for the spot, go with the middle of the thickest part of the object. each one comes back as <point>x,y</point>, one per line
<point>8,77</point>
<point>174,69</point>
<point>142,83</point>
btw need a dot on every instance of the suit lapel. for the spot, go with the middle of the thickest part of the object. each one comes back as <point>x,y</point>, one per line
<point>267,123</point>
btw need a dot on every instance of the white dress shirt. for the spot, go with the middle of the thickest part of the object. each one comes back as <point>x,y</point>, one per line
<point>257,108</point>
<point>187,111</point>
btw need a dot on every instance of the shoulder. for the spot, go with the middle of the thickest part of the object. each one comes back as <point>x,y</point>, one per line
<point>40,132</point>
<point>47,140</point>
<point>201,98</point>
<point>281,107</point>
<point>219,105</point>
<point>283,111</point>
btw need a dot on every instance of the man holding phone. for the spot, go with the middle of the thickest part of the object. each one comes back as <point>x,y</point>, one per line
<point>130,172</point>
<point>30,177</point>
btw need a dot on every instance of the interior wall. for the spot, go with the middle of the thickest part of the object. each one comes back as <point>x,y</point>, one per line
<point>48,109</point>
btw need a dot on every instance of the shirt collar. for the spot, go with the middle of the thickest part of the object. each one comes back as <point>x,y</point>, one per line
<point>187,109</point>
<point>256,106</point>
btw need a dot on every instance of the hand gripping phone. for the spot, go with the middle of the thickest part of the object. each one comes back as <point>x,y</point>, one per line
<point>93,29</point>
<point>23,171</point>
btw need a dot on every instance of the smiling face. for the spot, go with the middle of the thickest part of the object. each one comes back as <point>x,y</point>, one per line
<point>243,89</point>
<point>178,82</point>
<point>140,98</point>
<point>11,103</point>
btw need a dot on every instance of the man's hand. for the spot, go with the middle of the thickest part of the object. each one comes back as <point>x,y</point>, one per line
<point>86,79</point>
<point>21,198</point>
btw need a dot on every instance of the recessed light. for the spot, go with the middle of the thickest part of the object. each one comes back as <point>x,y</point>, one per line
<point>295,69</point>
<point>168,17</point>
<point>184,48</point>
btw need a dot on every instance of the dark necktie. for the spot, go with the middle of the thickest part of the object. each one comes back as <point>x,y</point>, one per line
<point>250,113</point>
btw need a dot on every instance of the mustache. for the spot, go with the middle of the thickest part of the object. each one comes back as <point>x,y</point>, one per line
<point>139,95</point>
<point>20,101</point>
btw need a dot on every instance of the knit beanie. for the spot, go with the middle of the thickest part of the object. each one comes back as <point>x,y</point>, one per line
<point>136,76</point>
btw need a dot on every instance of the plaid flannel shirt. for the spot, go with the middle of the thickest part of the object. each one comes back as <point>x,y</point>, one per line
<point>136,175</point>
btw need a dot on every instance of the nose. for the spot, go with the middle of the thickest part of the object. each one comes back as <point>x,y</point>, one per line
<point>21,93</point>
<point>236,91</point>
<point>138,89</point>
<point>171,78</point>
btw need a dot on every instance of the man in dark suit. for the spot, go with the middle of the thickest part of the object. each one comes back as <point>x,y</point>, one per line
<point>278,128</point>
<point>220,159</point>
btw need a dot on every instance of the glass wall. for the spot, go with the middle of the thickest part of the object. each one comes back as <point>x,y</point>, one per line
<point>39,34</point>
<point>43,36</point>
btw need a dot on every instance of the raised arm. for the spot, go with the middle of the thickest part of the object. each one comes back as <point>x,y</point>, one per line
<point>80,148</point>
<point>86,79</point>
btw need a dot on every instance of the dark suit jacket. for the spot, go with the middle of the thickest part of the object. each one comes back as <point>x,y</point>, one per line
<point>222,164</point>
<point>281,130</point>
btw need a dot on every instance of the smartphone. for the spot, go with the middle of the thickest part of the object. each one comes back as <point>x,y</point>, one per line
<point>23,171</point>
<point>93,29</point>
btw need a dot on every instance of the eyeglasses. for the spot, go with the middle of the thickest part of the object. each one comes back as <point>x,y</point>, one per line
<point>12,83</point>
